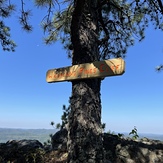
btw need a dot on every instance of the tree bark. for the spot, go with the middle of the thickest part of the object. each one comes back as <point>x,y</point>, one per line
<point>84,127</point>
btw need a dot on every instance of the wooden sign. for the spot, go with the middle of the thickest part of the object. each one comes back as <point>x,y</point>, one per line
<point>98,69</point>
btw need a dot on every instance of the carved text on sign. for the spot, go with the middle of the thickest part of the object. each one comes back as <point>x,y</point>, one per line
<point>96,69</point>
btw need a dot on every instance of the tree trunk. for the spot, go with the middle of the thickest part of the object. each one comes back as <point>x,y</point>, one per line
<point>84,126</point>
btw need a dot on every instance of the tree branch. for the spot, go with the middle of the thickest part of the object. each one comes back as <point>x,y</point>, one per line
<point>160,5</point>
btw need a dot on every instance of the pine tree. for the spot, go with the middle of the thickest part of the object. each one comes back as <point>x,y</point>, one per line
<point>93,30</point>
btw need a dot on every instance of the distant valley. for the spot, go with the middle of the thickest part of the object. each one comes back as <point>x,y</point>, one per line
<point>149,136</point>
<point>42,135</point>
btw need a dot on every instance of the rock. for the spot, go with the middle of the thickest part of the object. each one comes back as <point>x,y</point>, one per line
<point>59,140</point>
<point>19,151</point>
<point>117,150</point>
<point>126,150</point>
<point>24,144</point>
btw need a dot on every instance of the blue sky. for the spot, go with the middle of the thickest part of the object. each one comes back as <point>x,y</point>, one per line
<point>28,101</point>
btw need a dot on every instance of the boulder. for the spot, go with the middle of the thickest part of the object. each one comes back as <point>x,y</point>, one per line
<point>59,140</point>
<point>24,144</point>
<point>19,151</point>
<point>126,150</point>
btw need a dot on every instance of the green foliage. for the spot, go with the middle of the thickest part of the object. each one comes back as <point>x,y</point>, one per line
<point>33,156</point>
<point>5,11</point>
<point>120,23</point>
<point>24,17</point>
<point>48,142</point>
<point>57,26</point>
<point>59,126</point>
<point>64,117</point>
<point>134,133</point>
<point>52,123</point>
<point>159,68</point>
<point>6,42</point>
<point>120,135</point>
<point>124,21</point>
<point>6,8</point>
<point>103,126</point>
<point>111,132</point>
<point>44,2</point>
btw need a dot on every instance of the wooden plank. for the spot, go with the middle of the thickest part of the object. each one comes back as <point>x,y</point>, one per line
<point>98,69</point>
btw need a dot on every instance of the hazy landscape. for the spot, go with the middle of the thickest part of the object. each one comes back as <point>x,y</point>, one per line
<point>151,136</point>
<point>43,134</point>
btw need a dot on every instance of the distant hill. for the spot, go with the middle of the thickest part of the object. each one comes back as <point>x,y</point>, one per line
<point>152,136</point>
<point>41,135</point>
<point>149,136</point>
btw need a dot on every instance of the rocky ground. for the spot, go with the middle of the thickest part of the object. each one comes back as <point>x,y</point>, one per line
<point>117,150</point>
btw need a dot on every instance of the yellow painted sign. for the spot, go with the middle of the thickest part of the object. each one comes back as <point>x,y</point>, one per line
<point>97,69</point>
